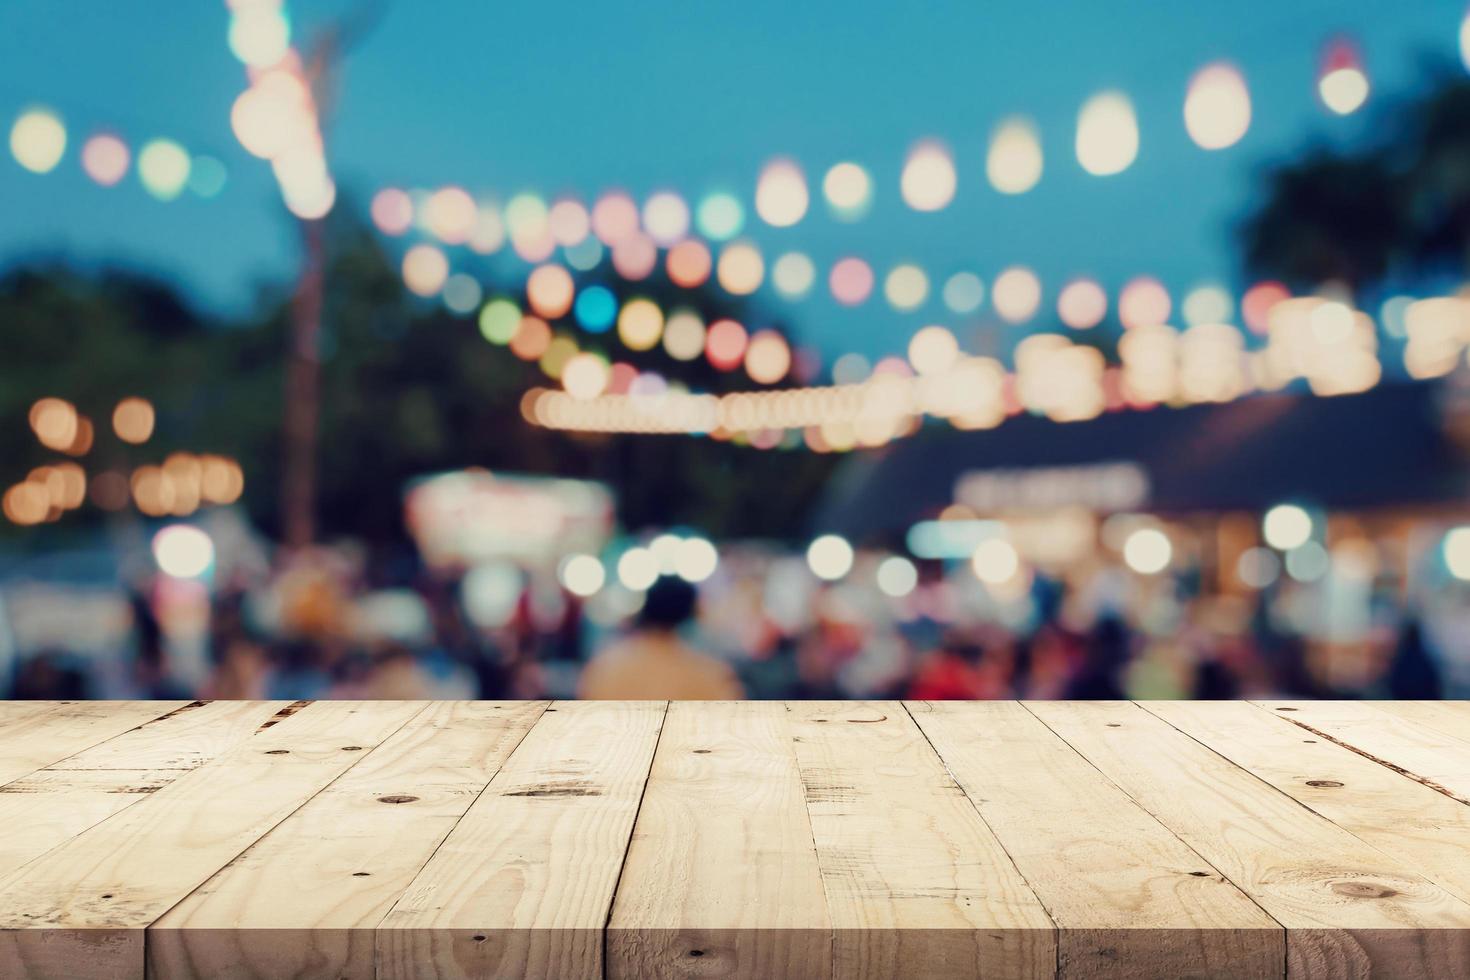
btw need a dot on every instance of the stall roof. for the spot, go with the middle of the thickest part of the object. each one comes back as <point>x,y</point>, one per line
<point>1384,447</point>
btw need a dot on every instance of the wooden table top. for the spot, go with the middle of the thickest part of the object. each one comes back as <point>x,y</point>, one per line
<point>750,839</point>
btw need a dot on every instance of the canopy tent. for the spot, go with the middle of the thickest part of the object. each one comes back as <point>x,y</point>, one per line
<point>1391,445</point>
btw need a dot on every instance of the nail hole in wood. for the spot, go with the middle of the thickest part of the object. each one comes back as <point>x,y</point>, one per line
<point>1114,724</point>
<point>352,748</point>
<point>1285,709</point>
<point>1327,783</point>
<point>1200,874</point>
<point>108,895</point>
<point>397,799</point>
<point>1309,741</point>
<point>278,752</point>
<point>696,952</point>
<point>701,751</point>
<point>479,938</point>
<point>362,874</point>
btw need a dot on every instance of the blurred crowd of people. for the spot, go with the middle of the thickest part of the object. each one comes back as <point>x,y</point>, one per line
<point>761,627</point>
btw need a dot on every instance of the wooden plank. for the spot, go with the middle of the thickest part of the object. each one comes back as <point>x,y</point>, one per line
<point>1427,831</point>
<point>1450,718</point>
<point>1349,909</point>
<point>1128,897</point>
<point>305,899</point>
<point>80,909</point>
<point>721,878</point>
<point>524,883</point>
<point>1423,753</point>
<point>185,738</point>
<point>917,885</point>
<point>34,740</point>
<point>49,807</point>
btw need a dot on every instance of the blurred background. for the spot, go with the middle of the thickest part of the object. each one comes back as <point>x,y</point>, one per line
<point>375,349</point>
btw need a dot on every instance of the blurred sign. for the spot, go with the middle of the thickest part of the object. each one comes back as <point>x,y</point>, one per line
<point>467,517</point>
<point>1099,486</point>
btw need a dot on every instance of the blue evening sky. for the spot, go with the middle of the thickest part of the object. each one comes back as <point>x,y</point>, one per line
<point>558,97</point>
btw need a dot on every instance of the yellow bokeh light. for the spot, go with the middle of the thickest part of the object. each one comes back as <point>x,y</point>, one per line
<point>38,140</point>
<point>1217,106</point>
<point>1016,294</point>
<point>260,35</point>
<point>928,181</point>
<point>849,190</point>
<point>133,420</point>
<point>558,353</point>
<point>550,290</point>
<point>906,287</point>
<point>450,215</point>
<point>933,350</point>
<point>741,268</point>
<point>666,218</point>
<point>767,357</point>
<point>640,324</point>
<point>163,167</point>
<point>425,268</point>
<point>684,335</point>
<point>1014,162</point>
<point>781,194</point>
<point>584,376</point>
<point>1107,134</point>
<point>1343,90</point>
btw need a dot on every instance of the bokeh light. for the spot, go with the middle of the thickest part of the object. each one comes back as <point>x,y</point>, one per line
<point>684,335</point>
<point>1107,134</point>
<point>183,551</point>
<point>638,568</point>
<point>695,560</point>
<point>38,140</point>
<point>499,320</point>
<point>724,344</point>
<point>1016,294</point>
<point>928,181</point>
<point>207,176</point>
<point>1256,304</point>
<point>392,211</point>
<point>1217,106</point>
<point>105,158</point>
<point>1148,551</point>
<point>614,217</point>
<point>462,293</point>
<point>1207,303</point>
<point>741,268</point>
<point>582,575</point>
<point>635,256</point>
<point>558,353</point>
<point>450,215</point>
<point>489,233</point>
<point>425,268</point>
<point>964,292</point>
<point>1082,304</point>
<point>596,309</point>
<point>568,222</point>
<point>666,218</point>
<point>1014,162</point>
<point>260,34</point>
<point>640,324</point>
<point>995,561</point>
<point>829,557</point>
<point>1286,526</point>
<point>1456,550</point>
<point>720,217</point>
<point>781,194</point>
<point>896,576</point>
<point>163,167</point>
<point>1143,302</point>
<point>851,281</point>
<point>549,291</point>
<point>767,357</point>
<point>793,275</point>
<point>584,376</point>
<point>1343,85</point>
<point>532,337</point>
<point>933,350</point>
<point>688,264</point>
<point>906,287</point>
<point>133,420</point>
<point>849,191</point>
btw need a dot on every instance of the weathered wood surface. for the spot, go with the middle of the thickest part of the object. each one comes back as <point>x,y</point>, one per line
<point>752,839</point>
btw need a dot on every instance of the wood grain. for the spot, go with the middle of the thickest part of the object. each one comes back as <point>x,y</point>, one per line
<point>524,883</point>
<point>1350,909</point>
<point>80,909</point>
<point>1128,897</point>
<point>721,878</point>
<point>54,804</point>
<point>1426,753</point>
<point>916,883</point>
<point>34,739</point>
<point>304,901</point>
